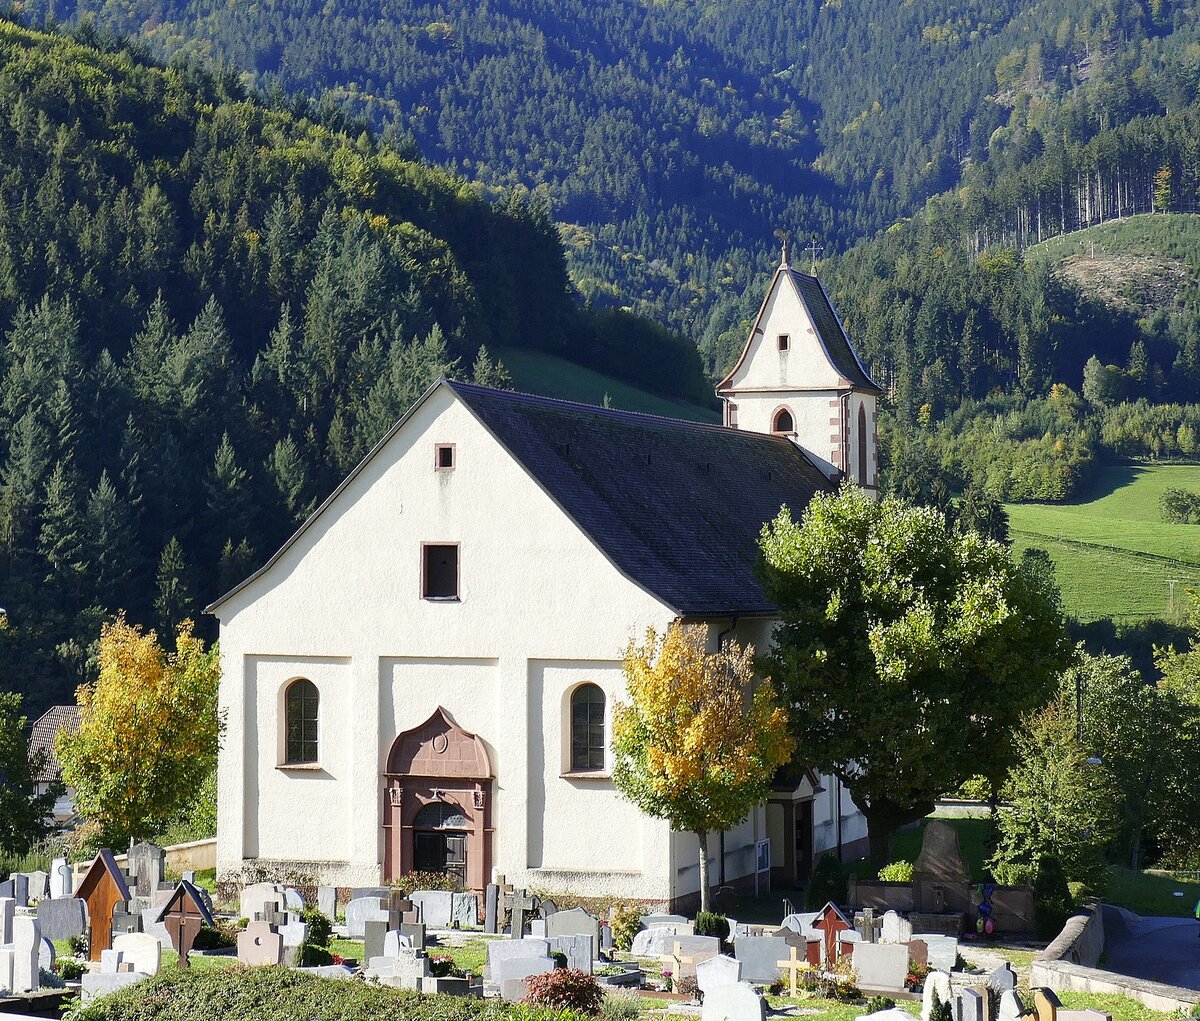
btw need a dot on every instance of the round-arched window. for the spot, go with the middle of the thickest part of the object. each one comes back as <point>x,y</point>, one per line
<point>441,815</point>
<point>301,709</point>
<point>784,423</point>
<point>588,746</point>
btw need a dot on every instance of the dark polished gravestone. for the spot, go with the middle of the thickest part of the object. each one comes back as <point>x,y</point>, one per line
<point>62,918</point>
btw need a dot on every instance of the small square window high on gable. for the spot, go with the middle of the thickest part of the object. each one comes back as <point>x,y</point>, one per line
<point>784,341</point>
<point>439,571</point>
<point>443,457</point>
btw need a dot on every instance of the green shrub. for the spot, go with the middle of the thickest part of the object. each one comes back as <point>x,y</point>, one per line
<point>625,922</point>
<point>897,872</point>
<point>941,1011</point>
<point>621,1006</point>
<point>71,970</point>
<point>441,965</point>
<point>826,883</point>
<point>566,989</point>
<point>878,1003</point>
<point>429,881</point>
<point>320,928</point>
<point>209,938</point>
<point>315,956</point>
<point>709,923</point>
<point>1052,903</point>
<point>78,945</point>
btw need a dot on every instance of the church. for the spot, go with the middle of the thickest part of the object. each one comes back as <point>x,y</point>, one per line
<point>423,677</point>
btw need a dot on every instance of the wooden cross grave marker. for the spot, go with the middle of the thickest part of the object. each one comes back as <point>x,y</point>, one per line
<point>517,903</point>
<point>793,966</point>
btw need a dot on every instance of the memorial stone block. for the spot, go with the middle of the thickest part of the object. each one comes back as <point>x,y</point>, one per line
<point>760,957</point>
<point>141,950</point>
<point>881,966</point>
<point>735,1002</point>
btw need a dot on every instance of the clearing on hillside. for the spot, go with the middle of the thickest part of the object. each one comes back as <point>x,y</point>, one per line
<point>1113,554</point>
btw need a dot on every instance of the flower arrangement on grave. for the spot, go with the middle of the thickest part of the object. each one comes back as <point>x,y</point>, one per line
<point>916,976</point>
<point>839,982</point>
<point>666,977</point>
<point>440,965</point>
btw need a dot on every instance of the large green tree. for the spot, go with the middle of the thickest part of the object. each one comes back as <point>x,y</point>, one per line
<point>24,814</point>
<point>908,650</point>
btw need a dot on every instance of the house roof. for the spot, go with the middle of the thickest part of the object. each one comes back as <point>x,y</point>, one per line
<point>42,734</point>
<point>828,326</point>
<point>676,506</point>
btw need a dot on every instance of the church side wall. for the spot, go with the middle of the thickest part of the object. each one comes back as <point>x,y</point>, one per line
<point>541,611</point>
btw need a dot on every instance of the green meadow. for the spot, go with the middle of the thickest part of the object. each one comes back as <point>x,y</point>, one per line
<point>1113,554</point>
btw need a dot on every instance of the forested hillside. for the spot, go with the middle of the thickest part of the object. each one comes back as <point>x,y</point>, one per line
<point>674,138</point>
<point>210,309</point>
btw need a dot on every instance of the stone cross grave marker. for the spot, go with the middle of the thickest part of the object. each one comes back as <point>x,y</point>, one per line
<point>794,965</point>
<point>259,945</point>
<point>518,903</point>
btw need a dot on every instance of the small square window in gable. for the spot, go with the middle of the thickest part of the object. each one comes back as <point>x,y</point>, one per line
<point>784,341</point>
<point>439,571</point>
<point>443,457</point>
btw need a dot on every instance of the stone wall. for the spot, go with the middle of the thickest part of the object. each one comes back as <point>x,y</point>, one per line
<point>880,895</point>
<point>1061,974</point>
<point>1081,940</point>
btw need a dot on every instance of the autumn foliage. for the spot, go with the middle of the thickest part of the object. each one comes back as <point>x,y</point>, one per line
<point>149,731</point>
<point>700,740</point>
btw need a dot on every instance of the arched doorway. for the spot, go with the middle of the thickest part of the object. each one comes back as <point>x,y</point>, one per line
<point>437,803</point>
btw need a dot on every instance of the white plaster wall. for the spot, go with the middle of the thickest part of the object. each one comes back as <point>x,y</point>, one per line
<point>534,591</point>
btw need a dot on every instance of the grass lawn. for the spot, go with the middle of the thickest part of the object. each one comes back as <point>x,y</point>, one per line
<point>1113,554</point>
<point>833,1010</point>
<point>1148,893</point>
<point>1122,1008</point>
<point>538,373</point>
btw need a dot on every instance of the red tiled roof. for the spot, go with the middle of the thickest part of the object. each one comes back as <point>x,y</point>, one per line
<point>42,734</point>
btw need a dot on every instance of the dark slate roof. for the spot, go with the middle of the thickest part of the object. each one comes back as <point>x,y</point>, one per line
<point>676,506</point>
<point>829,329</point>
<point>42,734</point>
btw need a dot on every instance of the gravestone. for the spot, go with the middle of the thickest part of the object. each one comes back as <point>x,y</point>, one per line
<point>580,950</point>
<point>937,983</point>
<point>292,900</point>
<point>147,863</point>
<point>970,1005</point>
<point>374,936</point>
<point>110,961</point>
<point>717,971</point>
<point>1002,979</point>
<point>943,950</point>
<point>519,904</point>
<point>890,1014</point>
<point>8,911</point>
<point>918,953</point>
<point>144,952</point>
<point>62,918</point>
<point>327,901</point>
<point>436,907</point>
<point>802,923</point>
<point>606,938</point>
<point>464,910</point>
<point>1046,1004</point>
<point>20,889</point>
<point>537,928</point>
<point>896,928</point>
<point>255,898</point>
<point>576,921</point>
<point>653,921</point>
<point>491,909</point>
<point>406,970</point>
<point>38,884</point>
<point>653,942</point>
<point>499,951</point>
<point>393,941</point>
<point>415,931</point>
<point>510,975</point>
<point>47,955</point>
<point>123,921</point>
<point>60,879</point>
<point>6,969</point>
<point>152,926</point>
<point>881,967</point>
<point>737,1001</point>
<point>259,945</point>
<point>760,957</point>
<point>294,935</point>
<point>1011,1006</point>
<point>361,910</point>
<point>382,892</point>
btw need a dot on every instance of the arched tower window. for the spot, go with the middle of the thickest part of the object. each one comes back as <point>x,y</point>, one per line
<point>588,746</point>
<point>783,422</point>
<point>301,709</point>
<point>862,445</point>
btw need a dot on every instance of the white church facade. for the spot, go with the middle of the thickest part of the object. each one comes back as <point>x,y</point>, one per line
<point>423,677</point>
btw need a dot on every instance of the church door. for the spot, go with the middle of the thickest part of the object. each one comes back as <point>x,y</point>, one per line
<point>437,804</point>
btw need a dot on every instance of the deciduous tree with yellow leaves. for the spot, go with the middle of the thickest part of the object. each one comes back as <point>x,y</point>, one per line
<point>149,731</point>
<point>699,741</point>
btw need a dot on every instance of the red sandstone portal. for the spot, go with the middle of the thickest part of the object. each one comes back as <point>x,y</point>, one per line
<point>437,803</point>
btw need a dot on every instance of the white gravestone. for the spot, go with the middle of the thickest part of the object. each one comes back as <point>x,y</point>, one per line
<point>26,947</point>
<point>393,941</point>
<point>1011,1006</point>
<point>943,950</point>
<point>881,966</point>
<point>6,970</point>
<point>937,983</point>
<point>736,1002</point>
<point>141,950</point>
<point>717,971</point>
<point>363,910</point>
<point>896,928</point>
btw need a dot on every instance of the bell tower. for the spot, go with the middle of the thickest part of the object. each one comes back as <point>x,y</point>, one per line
<point>798,376</point>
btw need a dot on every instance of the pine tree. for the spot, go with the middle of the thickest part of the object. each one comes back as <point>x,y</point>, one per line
<point>112,552</point>
<point>286,466</point>
<point>174,602</point>
<point>485,372</point>
<point>227,487</point>
<point>61,540</point>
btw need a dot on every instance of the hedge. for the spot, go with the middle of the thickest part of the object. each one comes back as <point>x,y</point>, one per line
<point>252,994</point>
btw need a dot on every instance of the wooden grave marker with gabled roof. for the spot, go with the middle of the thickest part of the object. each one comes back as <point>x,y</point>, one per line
<point>831,923</point>
<point>184,915</point>
<point>102,889</point>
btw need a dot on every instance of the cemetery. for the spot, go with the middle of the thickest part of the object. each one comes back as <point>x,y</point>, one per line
<point>111,936</point>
